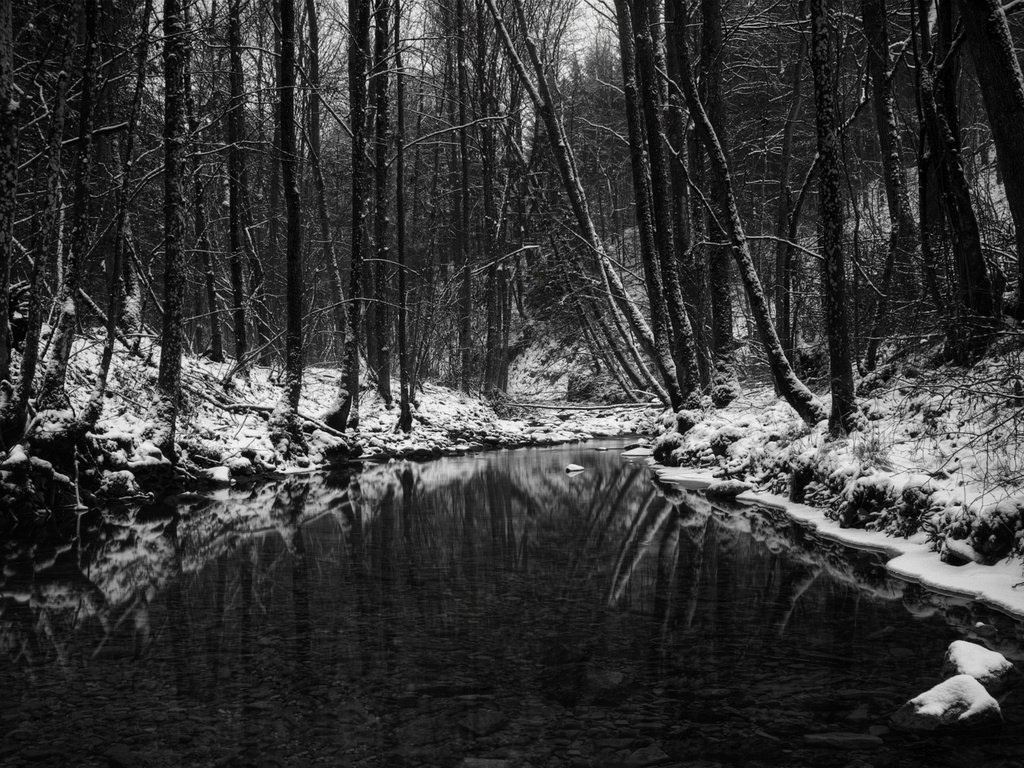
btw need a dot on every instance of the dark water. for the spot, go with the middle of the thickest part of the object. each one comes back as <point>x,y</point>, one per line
<point>488,607</point>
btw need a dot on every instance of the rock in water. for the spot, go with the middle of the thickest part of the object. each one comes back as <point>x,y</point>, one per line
<point>989,668</point>
<point>483,722</point>
<point>574,468</point>
<point>843,740</point>
<point>960,700</point>
<point>727,489</point>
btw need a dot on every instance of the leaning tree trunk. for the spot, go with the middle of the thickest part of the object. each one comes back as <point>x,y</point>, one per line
<point>287,432</point>
<point>786,381</point>
<point>544,104</point>
<point>653,96</point>
<point>977,298</point>
<point>844,415</point>
<point>168,385</point>
<point>1002,90</point>
<point>650,250</point>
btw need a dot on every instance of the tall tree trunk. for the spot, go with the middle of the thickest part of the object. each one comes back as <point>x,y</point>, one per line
<point>323,218</point>
<point>46,240</point>
<point>122,227</point>
<point>650,248</point>
<point>168,386</point>
<point>712,68</point>
<point>1002,90</point>
<point>466,285</point>
<point>650,60</point>
<point>288,438</point>
<point>404,394</point>
<point>786,381</point>
<point>51,392</point>
<point>903,232</point>
<point>844,415</point>
<point>345,412</point>
<point>692,265</point>
<point>783,252</point>
<point>236,161</point>
<point>10,112</point>
<point>382,137</point>
<point>976,297</point>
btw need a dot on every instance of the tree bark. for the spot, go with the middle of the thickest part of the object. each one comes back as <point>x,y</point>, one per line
<point>10,110</point>
<point>1002,90</point>
<point>712,68</point>
<point>844,416</point>
<point>381,224</point>
<point>653,98</point>
<point>345,412</point>
<point>976,298</point>
<point>236,162</point>
<point>168,387</point>
<point>51,392</point>
<point>903,232</point>
<point>404,394</point>
<point>122,227</point>
<point>786,381</point>
<point>287,432</point>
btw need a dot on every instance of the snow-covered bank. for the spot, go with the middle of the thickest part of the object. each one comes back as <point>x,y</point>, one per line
<point>223,430</point>
<point>933,480</point>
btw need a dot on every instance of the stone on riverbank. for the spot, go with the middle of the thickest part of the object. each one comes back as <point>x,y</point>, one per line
<point>989,668</point>
<point>958,701</point>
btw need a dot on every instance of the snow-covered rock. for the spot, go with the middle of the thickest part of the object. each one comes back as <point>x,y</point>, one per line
<point>961,700</point>
<point>989,668</point>
<point>727,489</point>
<point>638,451</point>
<point>217,475</point>
<point>118,484</point>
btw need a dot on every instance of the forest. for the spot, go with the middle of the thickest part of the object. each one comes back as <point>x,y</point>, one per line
<point>398,192</point>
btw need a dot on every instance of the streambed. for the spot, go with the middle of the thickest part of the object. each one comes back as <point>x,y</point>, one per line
<point>486,607</point>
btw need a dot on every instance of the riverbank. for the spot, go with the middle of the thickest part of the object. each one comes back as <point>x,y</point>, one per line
<point>934,479</point>
<point>223,431</point>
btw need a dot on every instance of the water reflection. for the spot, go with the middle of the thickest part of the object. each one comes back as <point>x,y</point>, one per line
<point>416,614</point>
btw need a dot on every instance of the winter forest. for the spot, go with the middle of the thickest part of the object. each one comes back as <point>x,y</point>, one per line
<point>283,283</point>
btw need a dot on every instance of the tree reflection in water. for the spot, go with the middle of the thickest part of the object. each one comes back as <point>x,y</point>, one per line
<point>364,614</point>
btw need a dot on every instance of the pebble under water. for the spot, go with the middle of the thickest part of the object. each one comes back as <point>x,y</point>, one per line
<point>487,611</point>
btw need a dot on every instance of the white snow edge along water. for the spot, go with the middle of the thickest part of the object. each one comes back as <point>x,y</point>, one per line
<point>910,559</point>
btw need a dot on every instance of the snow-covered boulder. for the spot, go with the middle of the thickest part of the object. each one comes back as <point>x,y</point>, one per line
<point>997,528</point>
<point>960,701</point>
<point>989,668</point>
<point>118,484</point>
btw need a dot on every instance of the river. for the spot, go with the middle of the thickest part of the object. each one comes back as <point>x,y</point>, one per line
<point>482,608</point>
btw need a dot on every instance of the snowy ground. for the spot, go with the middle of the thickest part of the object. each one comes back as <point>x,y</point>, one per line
<point>934,479</point>
<point>234,440</point>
